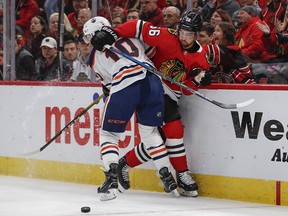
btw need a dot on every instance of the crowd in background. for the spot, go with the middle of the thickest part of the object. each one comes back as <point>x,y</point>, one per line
<point>239,36</point>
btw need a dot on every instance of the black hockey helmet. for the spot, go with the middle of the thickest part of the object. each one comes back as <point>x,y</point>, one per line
<point>190,21</point>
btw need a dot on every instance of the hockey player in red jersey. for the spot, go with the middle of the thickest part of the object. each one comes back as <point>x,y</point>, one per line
<point>180,56</point>
<point>132,89</point>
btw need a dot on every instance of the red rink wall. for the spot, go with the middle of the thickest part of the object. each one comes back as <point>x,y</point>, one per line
<point>236,154</point>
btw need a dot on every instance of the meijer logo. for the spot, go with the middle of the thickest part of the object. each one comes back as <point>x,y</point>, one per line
<point>84,131</point>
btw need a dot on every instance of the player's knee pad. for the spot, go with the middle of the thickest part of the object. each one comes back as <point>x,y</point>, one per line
<point>150,136</point>
<point>173,130</point>
<point>109,137</point>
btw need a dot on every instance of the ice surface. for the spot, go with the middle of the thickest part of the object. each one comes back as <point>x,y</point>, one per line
<point>34,197</point>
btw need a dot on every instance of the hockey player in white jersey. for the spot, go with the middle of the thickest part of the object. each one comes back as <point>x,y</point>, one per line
<point>130,88</point>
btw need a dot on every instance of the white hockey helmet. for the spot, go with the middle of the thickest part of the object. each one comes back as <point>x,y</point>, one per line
<point>92,25</point>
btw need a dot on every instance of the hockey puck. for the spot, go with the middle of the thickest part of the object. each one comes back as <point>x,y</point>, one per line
<point>85,209</point>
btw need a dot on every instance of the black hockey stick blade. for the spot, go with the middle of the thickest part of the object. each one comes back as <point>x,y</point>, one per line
<point>168,78</point>
<point>64,128</point>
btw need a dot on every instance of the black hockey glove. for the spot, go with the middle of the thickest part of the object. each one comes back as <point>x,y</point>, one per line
<point>105,36</point>
<point>105,90</point>
<point>200,77</point>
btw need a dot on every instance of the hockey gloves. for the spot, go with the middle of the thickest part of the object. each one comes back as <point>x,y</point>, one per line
<point>103,37</point>
<point>200,77</point>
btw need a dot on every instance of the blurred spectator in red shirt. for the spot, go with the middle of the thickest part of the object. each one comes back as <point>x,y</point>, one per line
<point>249,36</point>
<point>73,16</point>
<point>149,11</point>
<point>274,11</point>
<point>276,39</point>
<point>111,8</point>
<point>24,11</point>
<point>123,11</point>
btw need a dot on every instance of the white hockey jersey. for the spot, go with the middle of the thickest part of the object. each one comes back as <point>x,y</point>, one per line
<point>117,72</point>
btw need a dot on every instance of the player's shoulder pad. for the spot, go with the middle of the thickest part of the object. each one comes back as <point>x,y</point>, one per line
<point>172,31</point>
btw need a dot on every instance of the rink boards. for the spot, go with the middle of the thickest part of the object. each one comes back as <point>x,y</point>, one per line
<point>236,154</point>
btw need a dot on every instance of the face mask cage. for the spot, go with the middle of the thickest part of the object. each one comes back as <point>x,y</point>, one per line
<point>87,38</point>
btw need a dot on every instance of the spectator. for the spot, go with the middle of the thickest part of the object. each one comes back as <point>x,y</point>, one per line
<point>130,4</point>
<point>220,16</point>
<point>117,21</point>
<point>133,14</point>
<point>70,51</point>
<point>274,11</point>
<point>251,3</point>
<point>226,59</point>
<point>171,17</point>
<point>180,4</point>
<point>73,16</point>
<point>249,36</point>
<point>24,11</point>
<point>111,8</point>
<point>25,62</point>
<point>38,31</point>
<point>82,72</point>
<point>276,40</point>
<point>149,11</point>
<point>48,64</point>
<point>51,6</point>
<point>230,6</point>
<point>205,36</point>
<point>54,27</point>
<point>83,16</point>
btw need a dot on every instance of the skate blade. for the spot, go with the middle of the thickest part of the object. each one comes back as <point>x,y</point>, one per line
<point>188,193</point>
<point>175,193</point>
<point>121,189</point>
<point>109,195</point>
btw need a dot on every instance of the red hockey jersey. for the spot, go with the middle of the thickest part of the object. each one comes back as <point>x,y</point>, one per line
<point>169,58</point>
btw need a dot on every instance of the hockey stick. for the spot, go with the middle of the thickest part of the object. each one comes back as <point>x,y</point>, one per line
<point>65,128</point>
<point>168,78</point>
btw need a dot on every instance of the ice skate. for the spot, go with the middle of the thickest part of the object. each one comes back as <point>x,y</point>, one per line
<point>108,190</point>
<point>168,180</point>
<point>123,175</point>
<point>187,185</point>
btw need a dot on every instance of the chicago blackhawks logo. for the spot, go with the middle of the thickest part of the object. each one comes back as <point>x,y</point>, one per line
<point>222,77</point>
<point>175,69</point>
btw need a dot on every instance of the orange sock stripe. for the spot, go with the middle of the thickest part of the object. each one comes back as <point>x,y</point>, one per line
<point>109,147</point>
<point>158,151</point>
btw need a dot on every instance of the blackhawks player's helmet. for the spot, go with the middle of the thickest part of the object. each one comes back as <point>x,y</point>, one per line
<point>92,25</point>
<point>190,21</point>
